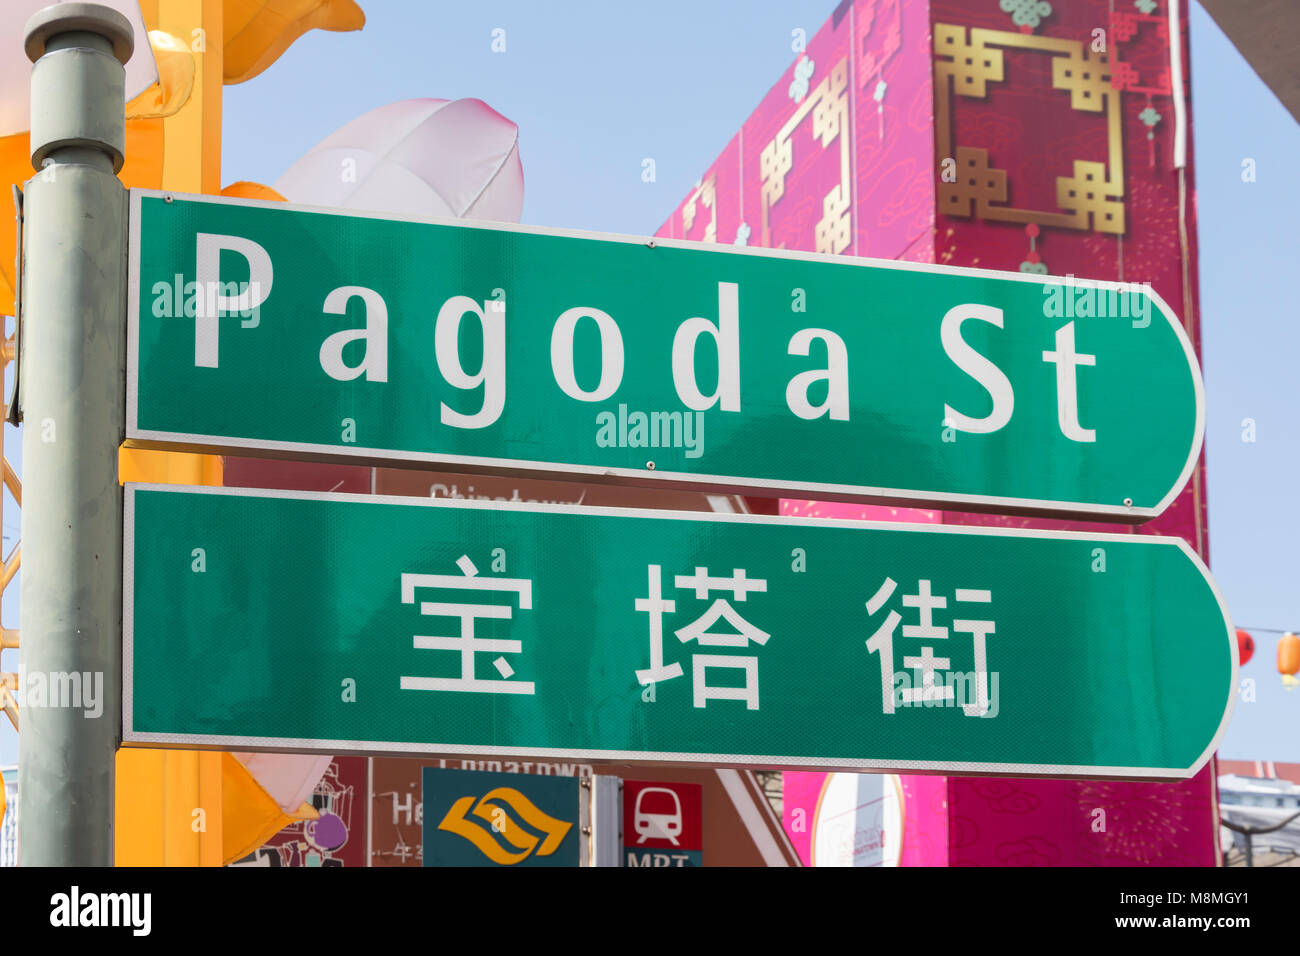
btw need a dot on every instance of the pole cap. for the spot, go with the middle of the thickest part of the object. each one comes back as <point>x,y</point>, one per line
<point>69,17</point>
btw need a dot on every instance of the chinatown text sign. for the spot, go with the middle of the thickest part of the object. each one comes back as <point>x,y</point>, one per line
<point>334,335</point>
<point>292,621</point>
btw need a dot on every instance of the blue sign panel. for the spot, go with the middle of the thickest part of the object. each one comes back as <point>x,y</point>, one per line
<point>499,819</point>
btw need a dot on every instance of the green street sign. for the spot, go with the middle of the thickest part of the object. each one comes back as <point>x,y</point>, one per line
<point>289,621</point>
<point>486,347</point>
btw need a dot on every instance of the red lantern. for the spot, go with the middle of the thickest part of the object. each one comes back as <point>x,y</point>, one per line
<point>1245,647</point>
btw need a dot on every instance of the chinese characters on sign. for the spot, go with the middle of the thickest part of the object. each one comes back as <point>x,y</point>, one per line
<point>925,680</point>
<point>657,606</point>
<point>466,643</point>
<point>924,691</point>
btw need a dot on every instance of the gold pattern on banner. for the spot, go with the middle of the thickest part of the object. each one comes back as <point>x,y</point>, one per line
<point>965,64</point>
<point>706,193</point>
<point>829,106</point>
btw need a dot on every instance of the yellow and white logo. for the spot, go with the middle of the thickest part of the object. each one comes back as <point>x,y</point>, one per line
<point>507,838</point>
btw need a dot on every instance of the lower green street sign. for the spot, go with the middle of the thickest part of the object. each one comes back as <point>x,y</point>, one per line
<point>289,621</point>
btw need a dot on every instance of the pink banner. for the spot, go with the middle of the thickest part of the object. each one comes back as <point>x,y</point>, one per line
<point>836,158</point>
<point>950,132</point>
<point>849,819</point>
<point>1069,172</point>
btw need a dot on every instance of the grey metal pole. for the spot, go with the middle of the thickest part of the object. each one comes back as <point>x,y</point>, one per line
<point>73,384</point>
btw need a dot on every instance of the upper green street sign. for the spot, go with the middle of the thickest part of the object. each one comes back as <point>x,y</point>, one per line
<point>289,621</point>
<point>321,333</point>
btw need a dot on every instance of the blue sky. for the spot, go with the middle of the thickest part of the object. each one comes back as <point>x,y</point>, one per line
<point>598,87</point>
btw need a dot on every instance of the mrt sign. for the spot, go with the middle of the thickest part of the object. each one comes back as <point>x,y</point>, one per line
<point>663,824</point>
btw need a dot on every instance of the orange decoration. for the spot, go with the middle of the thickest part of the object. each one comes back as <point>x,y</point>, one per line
<point>1288,659</point>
